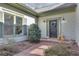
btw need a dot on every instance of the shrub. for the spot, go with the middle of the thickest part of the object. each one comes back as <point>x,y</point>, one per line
<point>58,50</point>
<point>8,50</point>
<point>34,33</point>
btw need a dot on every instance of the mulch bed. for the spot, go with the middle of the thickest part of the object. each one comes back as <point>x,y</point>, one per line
<point>14,49</point>
<point>23,45</point>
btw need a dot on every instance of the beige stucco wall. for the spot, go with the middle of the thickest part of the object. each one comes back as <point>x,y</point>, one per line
<point>68,28</point>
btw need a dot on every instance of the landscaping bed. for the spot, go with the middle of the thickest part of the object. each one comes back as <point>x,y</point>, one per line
<point>62,48</point>
<point>9,50</point>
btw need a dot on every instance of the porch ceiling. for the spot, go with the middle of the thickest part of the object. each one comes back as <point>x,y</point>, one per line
<point>39,9</point>
<point>60,9</point>
<point>45,7</point>
<point>19,8</point>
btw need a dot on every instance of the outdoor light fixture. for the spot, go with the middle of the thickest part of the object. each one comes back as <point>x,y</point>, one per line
<point>63,21</point>
<point>44,21</point>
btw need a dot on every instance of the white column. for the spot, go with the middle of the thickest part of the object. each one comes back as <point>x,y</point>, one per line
<point>14,26</point>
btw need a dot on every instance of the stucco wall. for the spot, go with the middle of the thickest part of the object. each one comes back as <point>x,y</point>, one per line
<point>68,28</point>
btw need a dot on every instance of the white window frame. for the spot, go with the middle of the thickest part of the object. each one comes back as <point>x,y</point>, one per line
<point>3,10</point>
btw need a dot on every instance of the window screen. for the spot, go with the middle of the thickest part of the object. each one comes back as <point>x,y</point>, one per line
<point>18,29</point>
<point>8,24</point>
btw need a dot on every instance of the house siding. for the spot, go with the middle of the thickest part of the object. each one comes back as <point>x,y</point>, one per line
<point>77,23</point>
<point>1,25</point>
<point>68,28</point>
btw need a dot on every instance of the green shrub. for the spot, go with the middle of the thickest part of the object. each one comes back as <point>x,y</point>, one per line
<point>8,50</point>
<point>58,50</point>
<point>34,33</point>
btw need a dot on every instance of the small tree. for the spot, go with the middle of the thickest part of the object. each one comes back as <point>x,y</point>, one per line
<point>34,33</point>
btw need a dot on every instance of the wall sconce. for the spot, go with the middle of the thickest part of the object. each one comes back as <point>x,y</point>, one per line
<point>44,21</point>
<point>63,21</point>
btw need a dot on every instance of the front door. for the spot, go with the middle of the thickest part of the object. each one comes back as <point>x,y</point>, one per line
<point>53,28</point>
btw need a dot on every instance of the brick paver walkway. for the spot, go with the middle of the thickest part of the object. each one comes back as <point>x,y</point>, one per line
<point>35,50</point>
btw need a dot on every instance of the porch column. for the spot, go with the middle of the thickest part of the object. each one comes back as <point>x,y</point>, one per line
<point>47,28</point>
<point>14,34</point>
<point>36,20</point>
